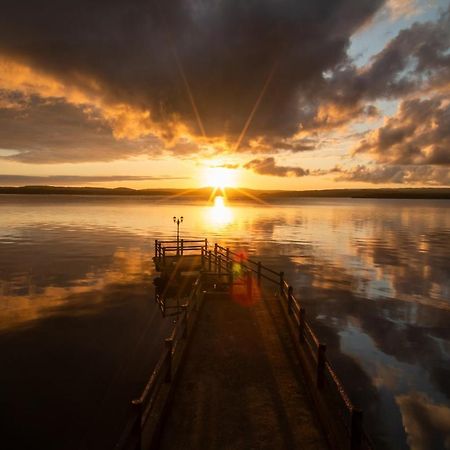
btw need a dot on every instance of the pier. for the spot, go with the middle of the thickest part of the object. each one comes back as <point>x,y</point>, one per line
<point>242,368</point>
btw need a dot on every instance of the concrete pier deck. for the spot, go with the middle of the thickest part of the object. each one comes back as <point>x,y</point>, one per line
<point>241,385</point>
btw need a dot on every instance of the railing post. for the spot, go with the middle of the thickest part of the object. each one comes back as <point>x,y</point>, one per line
<point>169,346</point>
<point>215,249</point>
<point>219,264</point>
<point>249,284</point>
<point>282,283</point>
<point>356,429</point>
<point>210,260</point>
<point>182,245</point>
<point>164,255</point>
<point>137,431</point>
<point>321,365</point>
<point>259,272</point>
<point>301,325</point>
<point>206,244</point>
<point>203,257</point>
<point>228,259</point>
<point>290,299</point>
<point>156,249</point>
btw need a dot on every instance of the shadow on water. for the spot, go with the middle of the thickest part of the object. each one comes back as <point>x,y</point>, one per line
<point>67,380</point>
<point>79,335</point>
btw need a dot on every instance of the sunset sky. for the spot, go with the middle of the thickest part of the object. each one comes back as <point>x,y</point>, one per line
<point>273,94</point>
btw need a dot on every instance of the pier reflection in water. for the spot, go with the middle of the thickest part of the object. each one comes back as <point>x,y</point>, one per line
<point>76,296</point>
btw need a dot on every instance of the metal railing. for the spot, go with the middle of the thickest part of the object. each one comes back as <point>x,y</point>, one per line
<point>159,384</point>
<point>177,248</point>
<point>341,419</point>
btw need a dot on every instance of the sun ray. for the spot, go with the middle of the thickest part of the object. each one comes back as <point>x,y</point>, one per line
<point>178,194</point>
<point>255,108</point>
<point>212,195</point>
<point>253,197</point>
<point>182,74</point>
<point>189,92</point>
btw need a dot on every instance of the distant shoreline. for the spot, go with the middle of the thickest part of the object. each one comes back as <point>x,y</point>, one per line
<point>235,194</point>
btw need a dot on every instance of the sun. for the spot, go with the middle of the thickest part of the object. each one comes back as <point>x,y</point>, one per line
<point>220,177</point>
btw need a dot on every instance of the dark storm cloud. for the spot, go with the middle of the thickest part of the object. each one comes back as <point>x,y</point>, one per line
<point>54,131</point>
<point>268,166</point>
<point>76,180</point>
<point>418,134</point>
<point>144,53</point>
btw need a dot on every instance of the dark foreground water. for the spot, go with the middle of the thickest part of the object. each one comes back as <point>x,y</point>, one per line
<point>80,333</point>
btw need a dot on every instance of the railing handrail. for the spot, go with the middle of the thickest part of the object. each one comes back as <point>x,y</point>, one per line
<point>226,252</point>
<point>223,259</point>
<point>160,374</point>
<point>185,247</point>
<point>170,241</point>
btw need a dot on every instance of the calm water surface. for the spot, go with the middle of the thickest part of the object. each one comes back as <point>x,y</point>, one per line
<point>80,333</point>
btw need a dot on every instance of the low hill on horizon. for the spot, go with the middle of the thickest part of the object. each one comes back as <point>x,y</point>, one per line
<point>234,193</point>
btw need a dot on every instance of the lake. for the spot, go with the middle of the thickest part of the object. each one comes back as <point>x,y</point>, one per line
<point>80,331</point>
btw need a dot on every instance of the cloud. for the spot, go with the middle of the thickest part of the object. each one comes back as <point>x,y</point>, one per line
<point>54,131</point>
<point>415,62</point>
<point>426,423</point>
<point>399,8</point>
<point>265,144</point>
<point>427,175</point>
<point>227,166</point>
<point>268,166</point>
<point>418,134</point>
<point>148,62</point>
<point>112,81</point>
<point>396,174</point>
<point>73,180</point>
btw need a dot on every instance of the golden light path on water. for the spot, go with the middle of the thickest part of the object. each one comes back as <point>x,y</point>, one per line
<point>219,215</point>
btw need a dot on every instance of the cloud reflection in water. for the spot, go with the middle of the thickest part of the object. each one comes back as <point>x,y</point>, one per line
<point>372,274</point>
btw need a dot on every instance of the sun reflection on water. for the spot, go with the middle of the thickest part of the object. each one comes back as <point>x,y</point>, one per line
<point>219,214</point>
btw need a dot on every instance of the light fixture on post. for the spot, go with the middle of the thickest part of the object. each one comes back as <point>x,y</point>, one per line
<point>178,220</point>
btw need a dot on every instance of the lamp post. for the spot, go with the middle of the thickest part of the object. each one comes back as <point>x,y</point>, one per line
<point>178,220</point>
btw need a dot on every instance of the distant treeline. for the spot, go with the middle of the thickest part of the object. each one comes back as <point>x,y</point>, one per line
<point>236,194</point>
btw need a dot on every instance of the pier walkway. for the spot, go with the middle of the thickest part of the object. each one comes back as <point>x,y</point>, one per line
<point>242,368</point>
<point>239,387</point>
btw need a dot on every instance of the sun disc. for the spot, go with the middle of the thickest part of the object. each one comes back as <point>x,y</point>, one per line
<point>220,177</point>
